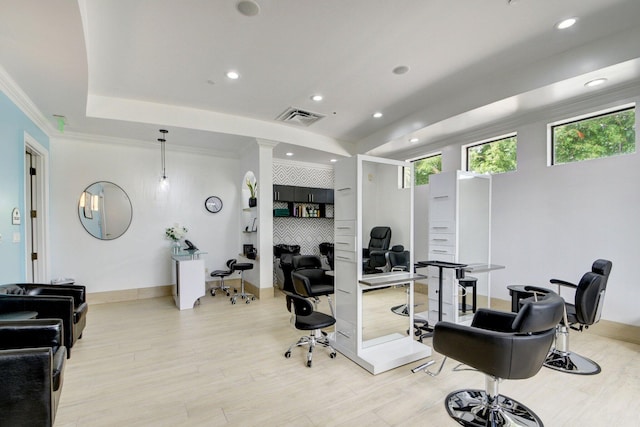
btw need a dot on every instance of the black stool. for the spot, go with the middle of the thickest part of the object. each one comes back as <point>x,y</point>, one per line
<point>467,282</point>
<point>241,267</point>
<point>222,274</point>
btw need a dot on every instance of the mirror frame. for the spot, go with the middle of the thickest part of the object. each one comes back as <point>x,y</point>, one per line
<point>86,212</point>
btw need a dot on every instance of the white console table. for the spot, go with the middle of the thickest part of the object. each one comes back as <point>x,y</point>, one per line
<point>189,277</point>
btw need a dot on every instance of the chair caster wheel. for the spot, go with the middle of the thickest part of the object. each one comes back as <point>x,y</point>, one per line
<point>333,355</point>
<point>213,293</point>
<point>247,301</point>
<point>287,354</point>
<point>228,294</point>
<point>309,364</point>
<point>253,298</point>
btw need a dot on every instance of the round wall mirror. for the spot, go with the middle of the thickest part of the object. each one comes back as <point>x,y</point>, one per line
<point>105,210</point>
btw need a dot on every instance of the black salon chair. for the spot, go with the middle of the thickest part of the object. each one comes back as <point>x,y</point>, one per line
<point>222,274</point>
<point>502,345</point>
<point>586,310</point>
<point>307,319</point>
<point>374,255</point>
<point>317,283</point>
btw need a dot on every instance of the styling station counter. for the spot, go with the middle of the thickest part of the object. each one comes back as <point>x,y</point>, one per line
<point>388,351</point>
<point>189,278</point>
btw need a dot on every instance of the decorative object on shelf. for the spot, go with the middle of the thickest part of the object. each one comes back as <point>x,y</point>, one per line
<point>164,180</point>
<point>213,204</point>
<point>174,234</point>
<point>253,186</point>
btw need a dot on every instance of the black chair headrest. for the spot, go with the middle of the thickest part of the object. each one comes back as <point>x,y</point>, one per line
<point>602,267</point>
<point>380,232</point>
<point>306,261</point>
<point>397,248</point>
<point>539,316</point>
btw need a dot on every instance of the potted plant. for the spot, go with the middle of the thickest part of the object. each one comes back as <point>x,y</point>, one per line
<point>253,201</point>
<point>174,234</point>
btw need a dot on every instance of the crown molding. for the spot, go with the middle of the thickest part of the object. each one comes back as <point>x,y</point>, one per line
<point>13,91</point>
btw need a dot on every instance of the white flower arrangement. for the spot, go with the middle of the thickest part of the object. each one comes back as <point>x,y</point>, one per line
<point>176,232</point>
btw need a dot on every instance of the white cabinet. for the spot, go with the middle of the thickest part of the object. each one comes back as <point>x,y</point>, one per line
<point>459,231</point>
<point>188,273</point>
<point>367,194</point>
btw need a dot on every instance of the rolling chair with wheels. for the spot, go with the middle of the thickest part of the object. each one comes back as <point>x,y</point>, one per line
<point>307,319</point>
<point>502,345</point>
<point>317,283</point>
<point>222,274</point>
<point>242,267</point>
<point>586,310</point>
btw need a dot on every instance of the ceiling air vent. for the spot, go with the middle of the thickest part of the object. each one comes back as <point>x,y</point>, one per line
<point>299,117</point>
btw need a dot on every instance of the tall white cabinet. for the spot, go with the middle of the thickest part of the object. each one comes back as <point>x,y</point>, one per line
<point>369,191</point>
<point>460,232</point>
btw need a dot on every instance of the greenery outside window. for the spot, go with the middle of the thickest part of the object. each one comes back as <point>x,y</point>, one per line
<point>493,156</point>
<point>594,137</point>
<point>426,166</point>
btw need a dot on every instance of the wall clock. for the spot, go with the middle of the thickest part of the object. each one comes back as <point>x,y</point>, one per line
<point>213,204</point>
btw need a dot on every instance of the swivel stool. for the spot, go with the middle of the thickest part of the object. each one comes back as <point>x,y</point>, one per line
<point>222,274</point>
<point>241,267</point>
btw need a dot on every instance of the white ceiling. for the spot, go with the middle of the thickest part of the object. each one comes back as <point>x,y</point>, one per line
<point>125,68</point>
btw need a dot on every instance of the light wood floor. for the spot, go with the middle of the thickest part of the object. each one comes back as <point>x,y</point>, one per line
<point>145,363</point>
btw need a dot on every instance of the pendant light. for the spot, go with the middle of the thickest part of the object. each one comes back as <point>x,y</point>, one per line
<point>164,180</point>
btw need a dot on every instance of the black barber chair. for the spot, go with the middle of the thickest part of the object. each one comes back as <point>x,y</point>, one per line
<point>502,345</point>
<point>283,265</point>
<point>374,256</point>
<point>586,310</point>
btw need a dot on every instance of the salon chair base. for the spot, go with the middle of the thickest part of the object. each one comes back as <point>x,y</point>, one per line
<point>571,363</point>
<point>470,408</point>
<point>562,359</point>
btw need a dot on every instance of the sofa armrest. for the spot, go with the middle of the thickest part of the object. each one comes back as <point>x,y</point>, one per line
<point>27,396</point>
<point>47,307</point>
<point>31,333</point>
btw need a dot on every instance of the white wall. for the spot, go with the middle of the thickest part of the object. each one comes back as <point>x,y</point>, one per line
<point>553,222</point>
<point>141,257</point>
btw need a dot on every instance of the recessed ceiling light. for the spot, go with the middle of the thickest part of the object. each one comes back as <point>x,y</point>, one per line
<point>595,82</point>
<point>233,75</point>
<point>569,22</point>
<point>401,69</point>
<point>316,98</point>
<point>412,140</point>
<point>377,115</point>
<point>248,8</point>
<point>289,154</point>
<point>333,160</point>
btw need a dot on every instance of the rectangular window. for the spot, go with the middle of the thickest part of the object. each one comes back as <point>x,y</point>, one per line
<point>594,137</point>
<point>426,166</point>
<point>493,156</point>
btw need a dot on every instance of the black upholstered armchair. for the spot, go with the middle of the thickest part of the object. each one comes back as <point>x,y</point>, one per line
<point>502,345</point>
<point>584,312</point>
<point>310,280</point>
<point>32,362</point>
<point>66,302</point>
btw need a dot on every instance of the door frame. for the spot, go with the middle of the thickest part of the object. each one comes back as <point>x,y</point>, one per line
<point>40,156</point>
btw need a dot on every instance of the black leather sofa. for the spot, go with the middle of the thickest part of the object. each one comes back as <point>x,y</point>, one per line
<point>66,302</point>
<point>32,362</point>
